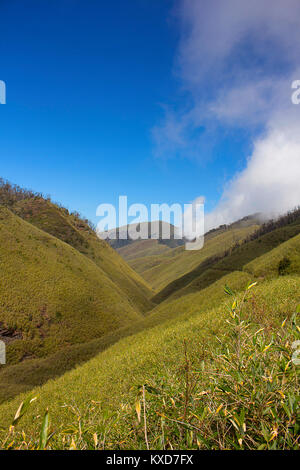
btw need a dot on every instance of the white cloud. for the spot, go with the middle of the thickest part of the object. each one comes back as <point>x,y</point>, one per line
<point>236,62</point>
<point>270,182</point>
<point>193,219</point>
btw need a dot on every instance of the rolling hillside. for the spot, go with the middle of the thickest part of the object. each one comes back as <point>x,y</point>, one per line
<point>51,295</point>
<point>71,229</point>
<point>36,371</point>
<point>142,248</point>
<point>107,401</point>
<point>23,377</point>
<point>212,268</point>
<point>160,270</point>
<point>83,333</point>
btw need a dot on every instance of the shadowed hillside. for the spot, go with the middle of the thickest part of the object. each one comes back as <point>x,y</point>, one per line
<point>160,270</point>
<point>163,232</point>
<point>267,237</point>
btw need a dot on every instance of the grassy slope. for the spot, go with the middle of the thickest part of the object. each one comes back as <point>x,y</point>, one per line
<point>179,312</point>
<point>174,264</point>
<point>160,228</point>
<point>58,222</point>
<point>210,270</point>
<point>142,248</point>
<point>154,355</point>
<point>52,293</point>
<point>22,377</point>
<point>266,266</point>
<point>142,264</point>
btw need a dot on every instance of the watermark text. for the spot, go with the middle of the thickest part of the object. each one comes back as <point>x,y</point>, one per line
<point>296,95</point>
<point>2,92</point>
<point>163,221</point>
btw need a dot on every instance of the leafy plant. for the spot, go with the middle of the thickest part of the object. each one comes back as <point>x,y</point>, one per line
<point>245,397</point>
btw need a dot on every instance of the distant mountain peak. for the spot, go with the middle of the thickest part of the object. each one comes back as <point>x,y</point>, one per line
<point>164,232</point>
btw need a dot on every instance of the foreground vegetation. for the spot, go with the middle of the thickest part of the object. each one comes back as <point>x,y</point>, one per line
<point>224,379</point>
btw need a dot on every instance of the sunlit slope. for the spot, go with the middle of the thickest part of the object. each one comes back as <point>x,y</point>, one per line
<point>283,260</point>
<point>111,379</point>
<point>161,269</point>
<point>179,262</point>
<point>52,296</point>
<point>33,372</point>
<point>212,269</point>
<point>142,263</point>
<point>163,232</point>
<point>142,248</point>
<point>25,376</point>
<point>76,232</point>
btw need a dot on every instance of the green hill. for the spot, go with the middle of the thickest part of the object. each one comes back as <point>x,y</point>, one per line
<point>160,270</point>
<point>200,370</point>
<point>214,267</point>
<point>69,228</point>
<point>101,396</point>
<point>142,248</point>
<point>52,295</point>
<point>23,377</point>
<point>282,260</point>
<point>163,232</point>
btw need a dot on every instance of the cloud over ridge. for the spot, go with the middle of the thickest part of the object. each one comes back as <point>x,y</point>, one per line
<point>236,61</point>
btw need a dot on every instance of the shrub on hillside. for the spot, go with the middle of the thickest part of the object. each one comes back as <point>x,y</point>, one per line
<point>283,265</point>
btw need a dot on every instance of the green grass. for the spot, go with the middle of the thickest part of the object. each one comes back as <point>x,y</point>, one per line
<point>212,269</point>
<point>58,222</point>
<point>114,370</point>
<point>110,383</point>
<point>173,264</point>
<point>268,264</point>
<point>52,294</point>
<point>23,377</point>
<point>142,248</point>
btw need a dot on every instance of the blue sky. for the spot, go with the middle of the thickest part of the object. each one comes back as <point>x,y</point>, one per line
<point>91,86</point>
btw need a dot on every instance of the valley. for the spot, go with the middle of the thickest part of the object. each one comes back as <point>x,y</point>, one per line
<point>88,328</point>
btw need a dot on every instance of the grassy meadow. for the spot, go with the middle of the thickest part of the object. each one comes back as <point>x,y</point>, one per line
<point>99,403</point>
<point>160,271</point>
<point>193,350</point>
